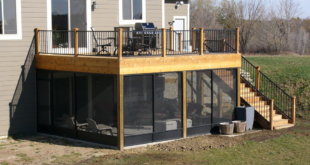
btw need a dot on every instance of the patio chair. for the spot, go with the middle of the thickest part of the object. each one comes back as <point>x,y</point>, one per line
<point>100,128</point>
<point>71,124</point>
<point>103,47</point>
<point>147,46</point>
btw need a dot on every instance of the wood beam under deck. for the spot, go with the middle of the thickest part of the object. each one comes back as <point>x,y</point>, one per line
<point>136,65</point>
<point>86,64</point>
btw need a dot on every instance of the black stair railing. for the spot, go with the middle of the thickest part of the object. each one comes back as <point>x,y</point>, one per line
<point>267,88</point>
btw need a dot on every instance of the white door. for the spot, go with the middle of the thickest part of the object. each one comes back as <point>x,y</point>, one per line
<point>67,15</point>
<point>179,25</point>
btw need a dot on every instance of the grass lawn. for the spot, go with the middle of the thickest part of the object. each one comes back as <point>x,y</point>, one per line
<point>291,73</point>
<point>286,149</point>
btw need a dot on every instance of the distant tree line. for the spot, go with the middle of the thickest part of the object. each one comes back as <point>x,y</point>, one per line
<point>265,26</point>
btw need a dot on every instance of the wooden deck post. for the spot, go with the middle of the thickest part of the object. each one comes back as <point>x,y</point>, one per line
<point>271,114</point>
<point>120,112</point>
<point>257,77</point>
<point>224,45</point>
<point>164,44</point>
<point>201,41</point>
<point>120,43</point>
<point>220,102</point>
<point>171,38</point>
<point>184,106</point>
<point>193,39</point>
<point>37,40</point>
<point>180,42</point>
<point>76,42</point>
<point>237,39</point>
<point>294,110</point>
<point>238,87</point>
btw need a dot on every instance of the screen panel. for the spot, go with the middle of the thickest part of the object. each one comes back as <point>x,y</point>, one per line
<point>138,105</point>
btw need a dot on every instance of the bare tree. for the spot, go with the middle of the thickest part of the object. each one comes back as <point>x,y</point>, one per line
<point>203,14</point>
<point>245,14</point>
<point>282,12</point>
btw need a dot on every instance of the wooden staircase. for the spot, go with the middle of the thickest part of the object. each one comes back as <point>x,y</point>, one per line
<point>263,109</point>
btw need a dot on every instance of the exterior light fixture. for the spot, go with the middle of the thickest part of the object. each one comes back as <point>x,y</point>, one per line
<point>94,6</point>
<point>177,4</point>
<point>171,23</point>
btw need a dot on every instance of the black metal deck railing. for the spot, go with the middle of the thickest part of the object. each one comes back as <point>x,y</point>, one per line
<point>136,43</point>
<point>220,40</point>
<point>282,101</point>
<point>266,88</point>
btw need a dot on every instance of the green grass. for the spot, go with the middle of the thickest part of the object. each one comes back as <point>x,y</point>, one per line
<point>291,73</point>
<point>24,158</point>
<point>286,149</point>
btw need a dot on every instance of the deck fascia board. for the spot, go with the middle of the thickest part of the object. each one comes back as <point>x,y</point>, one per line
<point>137,65</point>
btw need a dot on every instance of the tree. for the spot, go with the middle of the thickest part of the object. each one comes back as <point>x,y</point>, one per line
<point>203,14</point>
<point>282,12</point>
<point>245,14</point>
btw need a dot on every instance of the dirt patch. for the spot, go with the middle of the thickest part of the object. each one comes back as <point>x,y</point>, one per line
<point>48,150</point>
<point>263,138</point>
<point>199,143</point>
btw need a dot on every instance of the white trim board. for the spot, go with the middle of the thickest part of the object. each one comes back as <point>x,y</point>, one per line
<point>128,22</point>
<point>163,14</point>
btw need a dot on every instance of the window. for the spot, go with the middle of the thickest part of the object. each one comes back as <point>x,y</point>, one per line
<point>10,19</point>
<point>132,11</point>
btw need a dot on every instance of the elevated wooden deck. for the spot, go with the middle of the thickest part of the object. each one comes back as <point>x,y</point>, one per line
<point>168,56</point>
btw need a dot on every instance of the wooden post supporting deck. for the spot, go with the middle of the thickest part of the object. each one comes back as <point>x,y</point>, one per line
<point>193,40</point>
<point>37,40</point>
<point>294,110</point>
<point>180,42</point>
<point>164,45</point>
<point>237,40</point>
<point>238,87</point>
<point>224,45</point>
<point>120,112</point>
<point>271,114</point>
<point>76,42</point>
<point>120,43</point>
<point>201,41</point>
<point>184,106</point>
<point>257,77</point>
<point>171,38</point>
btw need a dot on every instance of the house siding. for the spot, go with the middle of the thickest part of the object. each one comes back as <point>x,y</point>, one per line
<point>170,11</point>
<point>154,12</point>
<point>17,85</point>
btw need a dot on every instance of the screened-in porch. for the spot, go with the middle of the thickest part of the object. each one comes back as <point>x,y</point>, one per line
<point>152,107</point>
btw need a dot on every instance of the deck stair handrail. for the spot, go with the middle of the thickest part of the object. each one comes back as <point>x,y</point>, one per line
<point>265,87</point>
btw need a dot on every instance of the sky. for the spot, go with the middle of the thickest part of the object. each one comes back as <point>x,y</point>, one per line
<point>305,5</point>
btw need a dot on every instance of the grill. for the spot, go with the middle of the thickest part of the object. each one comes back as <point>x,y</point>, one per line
<point>145,31</point>
<point>145,26</point>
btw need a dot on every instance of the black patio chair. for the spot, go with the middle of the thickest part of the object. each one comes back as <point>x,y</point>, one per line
<point>103,46</point>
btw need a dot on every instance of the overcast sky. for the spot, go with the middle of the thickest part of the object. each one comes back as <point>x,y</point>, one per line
<point>305,5</point>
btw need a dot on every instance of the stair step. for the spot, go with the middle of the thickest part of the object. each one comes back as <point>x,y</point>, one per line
<point>257,103</point>
<point>242,85</point>
<point>252,99</point>
<point>248,94</point>
<point>280,122</point>
<point>245,90</point>
<point>283,126</point>
<point>275,116</point>
<point>262,108</point>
